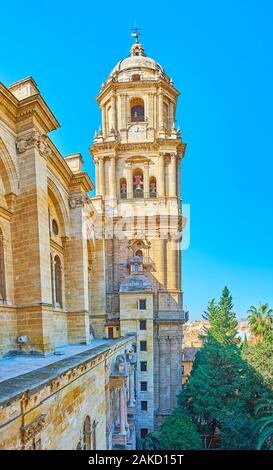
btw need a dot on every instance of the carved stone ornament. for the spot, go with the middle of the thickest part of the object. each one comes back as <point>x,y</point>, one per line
<point>76,201</point>
<point>30,431</point>
<point>33,139</point>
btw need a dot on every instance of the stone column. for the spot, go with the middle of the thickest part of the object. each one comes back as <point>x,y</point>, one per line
<point>161,265</point>
<point>126,411</point>
<point>97,176</point>
<point>172,176</point>
<point>151,109</point>
<point>172,264</point>
<point>163,384</point>
<point>161,175</point>
<point>129,181</point>
<point>122,404</point>
<point>113,187</point>
<point>175,372</point>
<point>146,180</point>
<point>113,112</point>
<point>104,124</point>
<point>171,115</point>
<point>132,386</point>
<point>31,247</point>
<point>101,175</point>
<point>178,182</point>
<point>119,111</point>
<point>124,111</point>
<point>160,110</point>
<point>76,277</point>
<point>117,407</point>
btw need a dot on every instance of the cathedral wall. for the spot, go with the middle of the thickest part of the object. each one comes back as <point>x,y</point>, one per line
<point>60,328</point>
<point>8,329</point>
<point>98,294</point>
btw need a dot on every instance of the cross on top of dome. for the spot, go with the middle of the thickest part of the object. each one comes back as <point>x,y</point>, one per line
<point>135,33</point>
<point>136,49</point>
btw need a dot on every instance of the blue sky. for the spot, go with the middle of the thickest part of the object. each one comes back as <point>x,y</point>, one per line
<point>220,56</point>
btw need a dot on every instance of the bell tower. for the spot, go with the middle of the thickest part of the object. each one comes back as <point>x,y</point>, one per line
<point>137,154</point>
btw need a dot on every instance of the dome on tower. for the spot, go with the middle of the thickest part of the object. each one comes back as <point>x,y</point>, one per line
<point>137,67</point>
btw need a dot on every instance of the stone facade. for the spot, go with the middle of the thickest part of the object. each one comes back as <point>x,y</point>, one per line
<point>75,268</point>
<point>137,155</point>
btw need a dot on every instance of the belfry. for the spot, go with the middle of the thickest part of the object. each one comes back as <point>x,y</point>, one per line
<point>137,154</point>
<point>91,307</point>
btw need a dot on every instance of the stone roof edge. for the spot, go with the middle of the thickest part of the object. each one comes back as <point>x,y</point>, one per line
<point>12,389</point>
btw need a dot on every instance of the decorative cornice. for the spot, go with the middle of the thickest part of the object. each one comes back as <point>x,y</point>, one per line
<point>8,102</point>
<point>156,83</point>
<point>83,180</point>
<point>35,105</point>
<point>138,159</point>
<point>156,145</point>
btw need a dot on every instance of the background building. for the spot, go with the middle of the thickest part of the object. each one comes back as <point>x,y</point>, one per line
<point>194,334</point>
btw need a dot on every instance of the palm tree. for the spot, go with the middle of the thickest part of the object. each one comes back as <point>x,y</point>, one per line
<point>149,442</point>
<point>260,321</point>
<point>264,428</point>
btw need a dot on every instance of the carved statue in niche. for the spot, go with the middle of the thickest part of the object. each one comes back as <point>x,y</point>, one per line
<point>123,188</point>
<point>152,188</point>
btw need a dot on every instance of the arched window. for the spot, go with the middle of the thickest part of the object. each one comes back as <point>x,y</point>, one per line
<point>123,188</point>
<point>137,110</point>
<point>58,281</point>
<point>2,270</point>
<point>52,278</point>
<point>138,183</point>
<point>153,190</point>
<point>135,77</point>
<point>87,434</point>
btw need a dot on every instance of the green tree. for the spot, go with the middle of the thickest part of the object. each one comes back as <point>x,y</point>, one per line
<point>220,382</point>
<point>149,442</point>
<point>222,319</point>
<point>237,431</point>
<point>244,344</point>
<point>260,357</point>
<point>264,427</point>
<point>260,321</point>
<point>226,381</point>
<point>179,433</point>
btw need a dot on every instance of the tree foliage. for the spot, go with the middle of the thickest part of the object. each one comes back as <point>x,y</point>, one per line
<point>179,433</point>
<point>223,387</point>
<point>222,318</point>
<point>264,427</point>
<point>260,321</point>
<point>149,442</point>
<point>260,357</point>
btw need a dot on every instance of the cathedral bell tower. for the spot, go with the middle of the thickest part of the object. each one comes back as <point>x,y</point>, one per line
<point>137,154</point>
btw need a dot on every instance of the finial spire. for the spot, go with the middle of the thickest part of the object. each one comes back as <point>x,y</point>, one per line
<point>136,33</point>
<point>137,48</point>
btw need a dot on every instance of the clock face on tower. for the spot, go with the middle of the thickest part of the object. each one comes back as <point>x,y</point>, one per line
<point>137,132</point>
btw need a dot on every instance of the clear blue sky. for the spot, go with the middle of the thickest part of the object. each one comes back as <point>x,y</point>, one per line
<point>219,55</point>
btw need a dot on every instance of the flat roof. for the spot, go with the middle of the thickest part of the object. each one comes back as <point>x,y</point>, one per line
<point>29,373</point>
